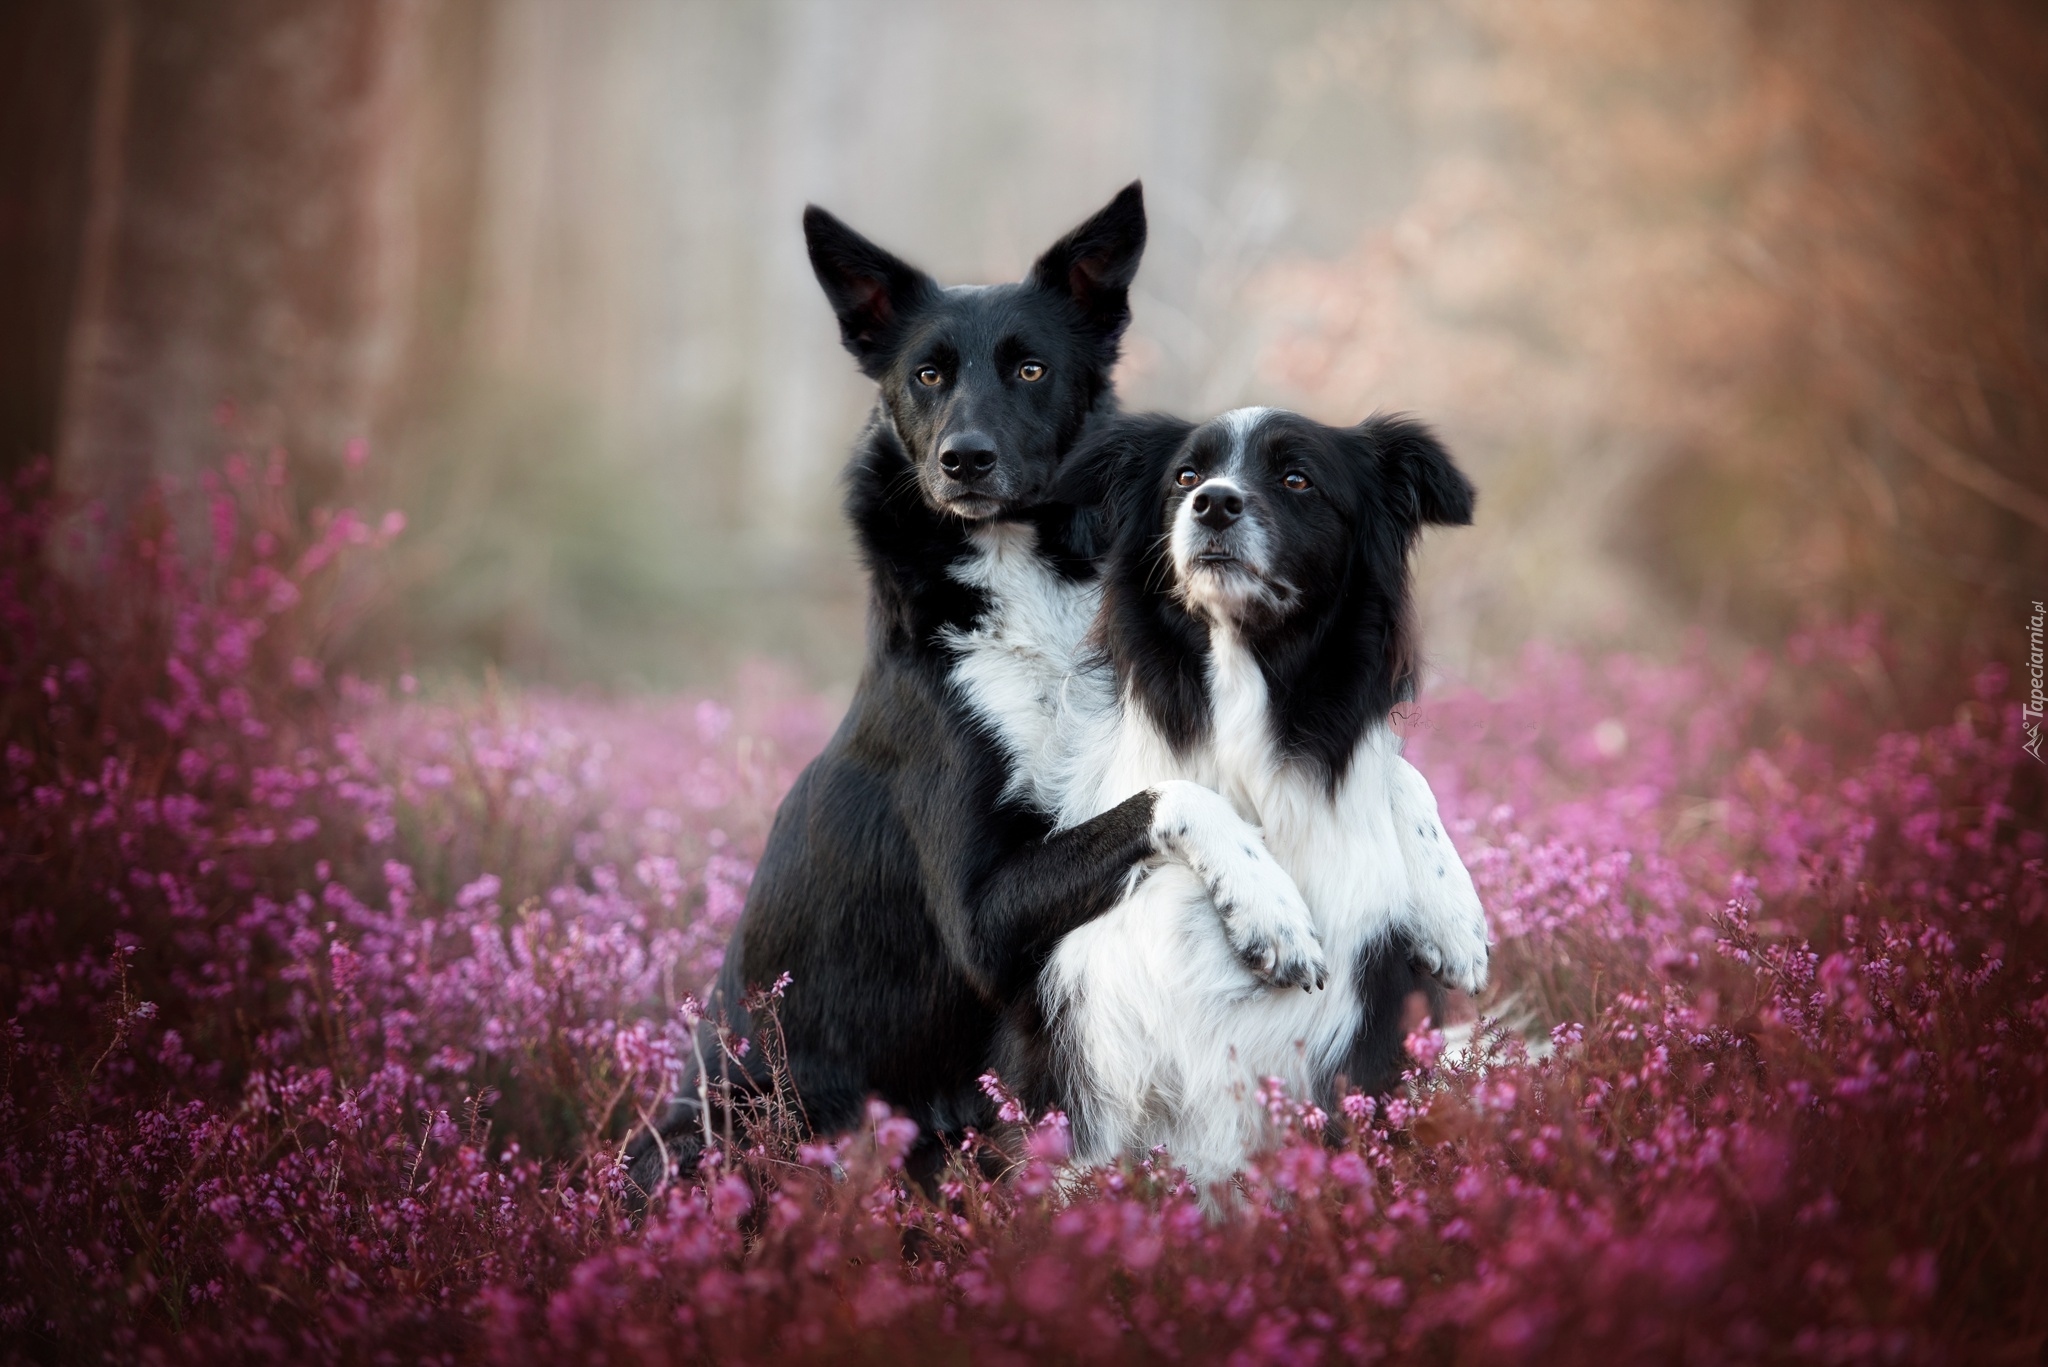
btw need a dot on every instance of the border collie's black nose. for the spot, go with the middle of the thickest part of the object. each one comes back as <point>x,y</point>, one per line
<point>967,455</point>
<point>1218,507</point>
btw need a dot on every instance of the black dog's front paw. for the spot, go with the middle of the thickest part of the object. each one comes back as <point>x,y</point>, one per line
<point>655,1158</point>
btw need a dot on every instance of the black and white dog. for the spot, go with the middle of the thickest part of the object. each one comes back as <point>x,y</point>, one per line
<point>1255,636</point>
<point>909,888</point>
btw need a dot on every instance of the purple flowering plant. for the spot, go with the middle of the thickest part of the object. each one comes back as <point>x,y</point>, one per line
<point>328,1010</point>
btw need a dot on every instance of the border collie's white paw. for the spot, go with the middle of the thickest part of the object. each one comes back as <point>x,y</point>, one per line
<point>1280,947</point>
<point>1445,920</point>
<point>1263,914</point>
<point>1459,960</point>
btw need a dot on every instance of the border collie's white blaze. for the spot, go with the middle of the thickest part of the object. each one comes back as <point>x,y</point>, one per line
<point>1226,592</point>
<point>1160,1034</point>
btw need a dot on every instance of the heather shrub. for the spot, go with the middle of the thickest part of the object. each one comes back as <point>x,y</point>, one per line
<point>330,1005</point>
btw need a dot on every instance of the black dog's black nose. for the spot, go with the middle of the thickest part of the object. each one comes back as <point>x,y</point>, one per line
<point>967,455</point>
<point>1218,507</point>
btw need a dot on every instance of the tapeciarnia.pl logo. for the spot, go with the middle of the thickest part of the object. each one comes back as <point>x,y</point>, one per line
<point>2037,699</point>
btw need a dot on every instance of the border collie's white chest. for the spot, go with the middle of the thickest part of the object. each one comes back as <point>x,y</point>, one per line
<point>1341,849</point>
<point>1169,1035</point>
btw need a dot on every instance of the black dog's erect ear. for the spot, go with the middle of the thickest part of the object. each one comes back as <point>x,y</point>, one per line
<point>1095,264</point>
<point>872,291</point>
<point>1412,460</point>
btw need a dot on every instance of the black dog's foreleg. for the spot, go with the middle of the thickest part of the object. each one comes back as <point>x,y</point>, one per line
<point>668,1149</point>
<point>665,1154</point>
<point>1002,925</point>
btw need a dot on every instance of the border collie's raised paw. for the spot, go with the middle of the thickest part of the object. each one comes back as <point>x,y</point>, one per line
<point>1264,917</point>
<point>1278,950</point>
<point>1446,922</point>
<point>1461,964</point>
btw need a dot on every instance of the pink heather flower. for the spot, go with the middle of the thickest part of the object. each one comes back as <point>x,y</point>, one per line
<point>1008,1108</point>
<point>894,1135</point>
<point>1916,1275</point>
<point>1049,1141</point>
<point>818,1154</point>
<point>1425,1047</point>
<point>713,721</point>
<point>484,888</point>
<point>1045,1286</point>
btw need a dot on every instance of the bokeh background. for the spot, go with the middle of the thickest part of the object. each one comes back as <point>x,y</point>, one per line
<point>1738,313</point>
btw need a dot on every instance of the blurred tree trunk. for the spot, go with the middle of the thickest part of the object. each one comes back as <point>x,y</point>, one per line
<point>49,53</point>
<point>792,450</point>
<point>261,208</point>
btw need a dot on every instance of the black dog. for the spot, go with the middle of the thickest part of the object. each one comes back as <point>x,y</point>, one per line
<point>909,889</point>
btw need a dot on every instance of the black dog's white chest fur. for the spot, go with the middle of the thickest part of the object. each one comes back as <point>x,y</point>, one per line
<point>1019,666</point>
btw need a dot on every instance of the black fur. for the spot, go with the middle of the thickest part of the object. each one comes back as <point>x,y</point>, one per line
<point>1385,979</point>
<point>907,900</point>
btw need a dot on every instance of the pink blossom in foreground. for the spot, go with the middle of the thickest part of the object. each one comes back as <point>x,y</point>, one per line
<point>327,1012</point>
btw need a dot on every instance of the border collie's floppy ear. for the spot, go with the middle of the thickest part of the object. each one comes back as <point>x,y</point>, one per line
<point>1411,459</point>
<point>1116,468</point>
<point>871,290</point>
<point>1095,264</point>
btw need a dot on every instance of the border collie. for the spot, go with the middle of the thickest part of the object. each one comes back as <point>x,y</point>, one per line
<point>908,889</point>
<point>1254,638</point>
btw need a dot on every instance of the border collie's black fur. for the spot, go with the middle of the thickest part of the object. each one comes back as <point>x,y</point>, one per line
<point>905,892</point>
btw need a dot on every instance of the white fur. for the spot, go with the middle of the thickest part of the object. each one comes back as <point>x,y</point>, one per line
<point>1242,423</point>
<point>1023,670</point>
<point>1018,665</point>
<point>1227,590</point>
<point>1445,923</point>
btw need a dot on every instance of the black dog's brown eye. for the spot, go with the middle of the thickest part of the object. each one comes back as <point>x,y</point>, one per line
<point>1031,372</point>
<point>1187,479</point>
<point>1296,480</point>
<point>929,376</point>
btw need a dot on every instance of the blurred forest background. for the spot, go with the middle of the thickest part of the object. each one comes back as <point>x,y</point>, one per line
<point>1738,313</point>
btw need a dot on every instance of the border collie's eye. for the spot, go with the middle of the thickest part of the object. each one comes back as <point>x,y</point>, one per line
<point>1296,481</point>
<point>929,376</point>
<point>1187,478</point>
<point>1031,372</point>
